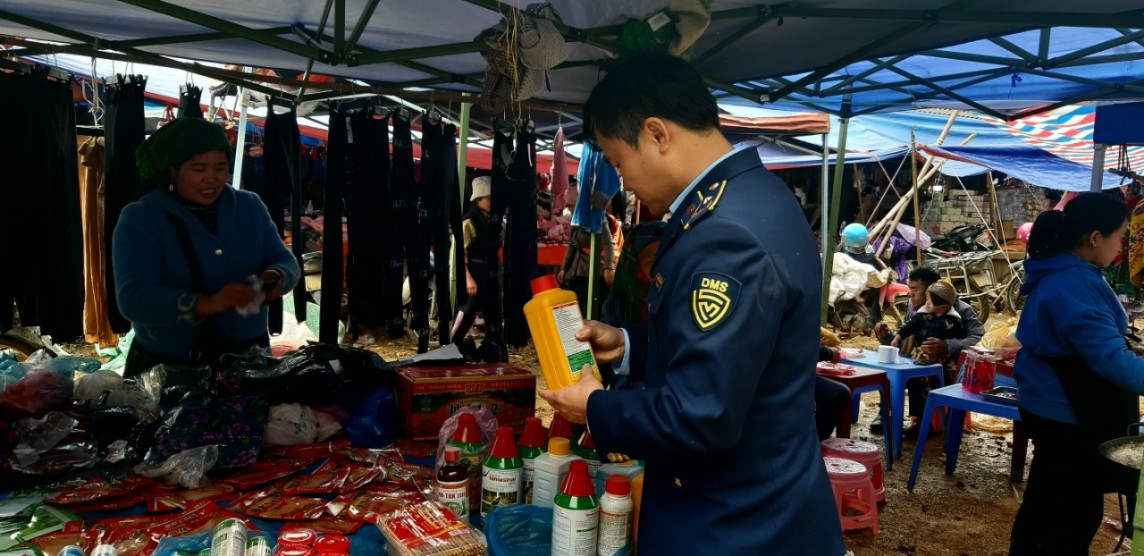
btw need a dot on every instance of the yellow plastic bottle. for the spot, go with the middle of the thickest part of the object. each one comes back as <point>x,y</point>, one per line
<point>637,500</point>
<point>553,318</point>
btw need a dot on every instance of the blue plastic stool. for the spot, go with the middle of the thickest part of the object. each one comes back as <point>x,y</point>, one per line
<point>959,400</point>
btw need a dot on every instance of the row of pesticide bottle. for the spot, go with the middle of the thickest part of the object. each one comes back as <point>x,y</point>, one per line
<point>546,474</point>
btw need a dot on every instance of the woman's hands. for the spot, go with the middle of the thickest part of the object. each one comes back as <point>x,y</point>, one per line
<point>234,294</point>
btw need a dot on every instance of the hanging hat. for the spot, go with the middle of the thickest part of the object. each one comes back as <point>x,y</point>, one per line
<point>944,291</point>
<point>482,187</point>
<point>541,44</point>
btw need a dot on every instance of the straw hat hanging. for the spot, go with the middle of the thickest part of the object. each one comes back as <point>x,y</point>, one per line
<point>521,48</point>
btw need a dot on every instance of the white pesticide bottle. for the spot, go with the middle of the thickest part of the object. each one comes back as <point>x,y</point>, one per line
<point>615,530</point>
<point>549,470</point>
<point>628,469</point>
<point>576,514</point>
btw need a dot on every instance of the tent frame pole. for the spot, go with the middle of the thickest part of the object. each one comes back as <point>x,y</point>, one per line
<point>824,200</point>
<point>1097,182</point>
<point>832,226</point>
<point>240,144</point>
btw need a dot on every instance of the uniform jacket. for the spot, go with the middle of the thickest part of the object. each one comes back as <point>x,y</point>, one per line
<point>1070,310</point>
<point>153,278</point>
<point>725,420</point>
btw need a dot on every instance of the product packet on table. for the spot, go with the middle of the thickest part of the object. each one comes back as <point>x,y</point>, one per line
<point>325,524</point>
<point>263,472</point>
<point>200,519</point>
<point>186,499</point>
<point>127,534</point>
<point>429,529</point>
<point>45,519</point>
<point>377,500</point>
<point>276,506</point>
<point>320,482</point>
<point>99,488</point>
<point>53,542</point>
<point>22,552</point>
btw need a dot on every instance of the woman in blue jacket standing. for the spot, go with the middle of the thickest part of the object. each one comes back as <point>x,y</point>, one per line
<point>193,256</point>
<point>1078,382</point>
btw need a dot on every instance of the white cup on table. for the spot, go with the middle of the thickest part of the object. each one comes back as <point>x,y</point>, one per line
<point>888,354</point>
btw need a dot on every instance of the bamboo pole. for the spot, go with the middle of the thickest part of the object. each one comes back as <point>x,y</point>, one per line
<point>835,195</point>
<point>900,205</point>
<point>914,177</point>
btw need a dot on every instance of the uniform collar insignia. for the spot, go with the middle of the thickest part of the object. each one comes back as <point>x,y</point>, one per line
<point>697,212</point>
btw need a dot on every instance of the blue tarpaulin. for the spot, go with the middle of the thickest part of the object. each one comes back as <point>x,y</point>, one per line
<point>1029,164</point>
<point>1119,124</point>
<point>599,182</point>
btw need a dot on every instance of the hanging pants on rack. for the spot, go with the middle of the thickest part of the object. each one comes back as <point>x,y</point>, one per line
<point>96,326</point>
<point>520,235</point>
<point>401,224</point>
<point>428,221</point>
<point>189,103</point>
<point>333,273</point>
<point>124,129</point>
<point>41,188</point>
<point>443,241</point>
<point>365,194</point>
<point>281,146</point>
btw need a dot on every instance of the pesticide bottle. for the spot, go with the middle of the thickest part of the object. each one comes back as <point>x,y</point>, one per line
<point>575,514</point>
<point>550,469</point>
<point>628,469</point>
<point>587,451</point>
<point>468,439</point>
<point>453,484</point>
<point>553,318</point>
<point>502,473</point>
<point>561,428</point>
<point>615,516</point>
<point>532,444</point>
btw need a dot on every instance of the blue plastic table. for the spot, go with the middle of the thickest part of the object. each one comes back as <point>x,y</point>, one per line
<point>959,400</point>
<point>898,374</point>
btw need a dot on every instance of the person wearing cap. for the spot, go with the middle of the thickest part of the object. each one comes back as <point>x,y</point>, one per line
<point>193,252</point>
<point>480,261</point>
<point>936,319</point>
<point>724,419</point>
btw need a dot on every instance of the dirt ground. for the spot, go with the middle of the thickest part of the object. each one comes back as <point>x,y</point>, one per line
<point>968,513</point>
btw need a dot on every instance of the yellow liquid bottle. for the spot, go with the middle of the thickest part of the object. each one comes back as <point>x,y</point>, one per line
<point>553,318</point>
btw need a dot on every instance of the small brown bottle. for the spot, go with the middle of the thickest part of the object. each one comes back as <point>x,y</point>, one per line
<point>453,484</point>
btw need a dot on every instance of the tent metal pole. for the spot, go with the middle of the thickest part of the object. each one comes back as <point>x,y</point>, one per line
<point>1097,182</point>
<point>240,144</point>
<point>824,200</point>
<point>917,187</point>
<point>832,226</point>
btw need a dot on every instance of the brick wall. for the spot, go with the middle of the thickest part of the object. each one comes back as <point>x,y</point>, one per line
<point>958,207</point>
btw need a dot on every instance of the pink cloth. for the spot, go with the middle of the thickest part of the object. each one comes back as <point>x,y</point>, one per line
<point>559,173</point>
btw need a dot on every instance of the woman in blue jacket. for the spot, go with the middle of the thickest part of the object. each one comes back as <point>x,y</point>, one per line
<point>1078,382</point>
<point>184,254</point>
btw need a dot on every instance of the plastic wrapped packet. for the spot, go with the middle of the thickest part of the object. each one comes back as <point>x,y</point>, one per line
<point>486,422</point>
<point>187,468</point>
<point>169,384</point>
<point>40,435</point>
<point>291,424</point>
<point>119,393</point>
<point>429,529</point>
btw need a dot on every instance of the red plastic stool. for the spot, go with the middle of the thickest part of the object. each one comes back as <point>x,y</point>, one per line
<point>853,494</point>
<point>862,452</point>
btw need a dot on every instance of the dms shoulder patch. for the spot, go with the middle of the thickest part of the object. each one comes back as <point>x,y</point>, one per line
<point>713,298</point>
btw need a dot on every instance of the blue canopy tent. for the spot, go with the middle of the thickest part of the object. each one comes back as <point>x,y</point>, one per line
<point>1116,124</point>
<point>1029,164</point>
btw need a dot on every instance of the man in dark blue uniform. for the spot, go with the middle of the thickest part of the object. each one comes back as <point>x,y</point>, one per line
<point>725,418</point>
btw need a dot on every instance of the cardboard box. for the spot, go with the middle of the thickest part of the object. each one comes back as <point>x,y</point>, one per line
<point>427,396</point>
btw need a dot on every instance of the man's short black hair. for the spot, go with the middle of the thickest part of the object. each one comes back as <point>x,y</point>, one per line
<point>925,275</point>
<point>646,86</point>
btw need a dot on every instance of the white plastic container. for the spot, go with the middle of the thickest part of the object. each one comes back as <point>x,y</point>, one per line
<point>615,530</point>
<point>549,472</point>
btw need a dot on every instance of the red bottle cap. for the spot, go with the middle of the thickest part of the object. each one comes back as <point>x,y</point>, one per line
<point>543,284</point>
<point>586,441</point>
<point>467,431</point>
<point>504,446</point>
<point>618,485</point>
<point>452,454</point>
<point>298,536</point>
<point>560,428</point>
<point>332,543</point>
<point>533,434</point>
<point>577,482</point>
<point>294,550</point>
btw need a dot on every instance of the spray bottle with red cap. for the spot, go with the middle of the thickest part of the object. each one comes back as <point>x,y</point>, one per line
<point>575,514</point>
<point>532,444</point>
<point>502,473</point>
<point>553,318</point>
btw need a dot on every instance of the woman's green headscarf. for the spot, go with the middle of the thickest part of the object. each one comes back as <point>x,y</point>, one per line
<point>176,143</point>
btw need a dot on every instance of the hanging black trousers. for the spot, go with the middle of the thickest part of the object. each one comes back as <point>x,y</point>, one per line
<point>281,148</point>
<point>520,235</point>
<point>366,213</point>
<point>41,187</point>
<point>189,103</point>
<point>401,224</point>
<point>333,273</point>
<point>124,129</point>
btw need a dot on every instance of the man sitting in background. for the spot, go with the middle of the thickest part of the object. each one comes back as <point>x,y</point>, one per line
<point>945,350</point>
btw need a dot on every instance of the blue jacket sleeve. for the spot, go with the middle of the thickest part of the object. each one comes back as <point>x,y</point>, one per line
<point>701,399</point>
<point>137,257</point>
<point>1084,321</point>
